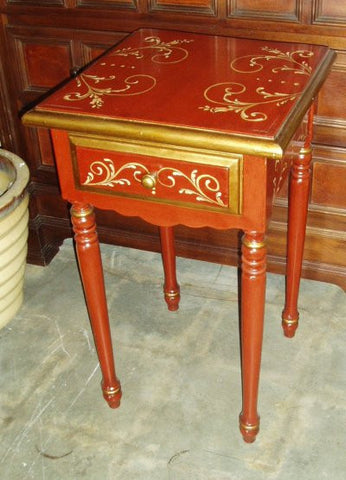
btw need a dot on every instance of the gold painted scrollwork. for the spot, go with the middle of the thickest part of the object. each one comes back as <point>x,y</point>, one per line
<point>162,52</point>
<point>231,96</point>
<point>229,92</point>
<point>95,87</point>
<point>103,173</point>
<point>203,187</point>
<point>292,61</point>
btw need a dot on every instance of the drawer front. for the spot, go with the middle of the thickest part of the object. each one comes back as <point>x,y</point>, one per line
<point>209,183</point>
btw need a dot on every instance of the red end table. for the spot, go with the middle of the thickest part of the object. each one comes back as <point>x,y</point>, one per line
<point>180,128</point>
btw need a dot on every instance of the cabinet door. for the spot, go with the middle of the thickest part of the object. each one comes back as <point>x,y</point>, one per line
<point>36,3</point>
<point>329,12</point>
<point>288,11</point>
<point>109,4</point>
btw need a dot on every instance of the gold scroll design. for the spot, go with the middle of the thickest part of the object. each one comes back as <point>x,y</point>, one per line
<point>203,187</point>
<point>226,94</point>
<point>162,52</point>
<point>95,87</point>
<point>283,165</point>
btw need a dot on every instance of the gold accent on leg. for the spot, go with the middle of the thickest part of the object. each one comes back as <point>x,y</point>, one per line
<point>249,428</point>
<point>305,151</point>
<point>253,244</point>
<point>249,432</point>
<point>290,322</point>
<point>110,391</point>
<point>172,294</point>
<point>84,213</point>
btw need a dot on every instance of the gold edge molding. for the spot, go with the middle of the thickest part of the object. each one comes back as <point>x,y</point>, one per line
<point>151,149</point>
<point>306,99</point>
<point>233,162</point>
<point>233,207</point>
<point>229,209</point>
<point>201,140</point>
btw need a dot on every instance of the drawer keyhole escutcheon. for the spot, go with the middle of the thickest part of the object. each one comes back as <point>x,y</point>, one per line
<point>149,181</point>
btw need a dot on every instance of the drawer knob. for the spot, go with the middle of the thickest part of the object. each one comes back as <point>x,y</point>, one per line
<point>149,181</point>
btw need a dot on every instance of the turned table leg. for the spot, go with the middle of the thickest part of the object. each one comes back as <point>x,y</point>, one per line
<point>171,288</point>
<point>90,264</point>
<point>252,316</point>
<point>298,207</point>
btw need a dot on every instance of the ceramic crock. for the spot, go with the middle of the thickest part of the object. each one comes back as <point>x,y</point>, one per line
<point>14,199</point>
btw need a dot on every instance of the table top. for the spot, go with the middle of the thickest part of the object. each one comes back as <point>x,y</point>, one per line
<point>252,92</point>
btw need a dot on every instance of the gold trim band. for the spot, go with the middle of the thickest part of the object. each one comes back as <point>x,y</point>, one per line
<point>253,244</point>
<point>83,213</point>
<point>290,321</point>
<point>110,391</point>
<point>172,294</point>
<point>149,151</point>
<point>166,135</point>
<point>305,151</point>
<point>249,428</point>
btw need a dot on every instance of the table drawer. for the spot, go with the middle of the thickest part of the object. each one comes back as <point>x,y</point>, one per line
<point>196,181</point>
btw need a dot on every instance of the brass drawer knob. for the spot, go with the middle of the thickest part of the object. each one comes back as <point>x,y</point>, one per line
<point>149,181</point>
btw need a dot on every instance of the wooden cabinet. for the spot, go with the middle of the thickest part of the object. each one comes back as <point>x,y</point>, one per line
<point>43,42</point>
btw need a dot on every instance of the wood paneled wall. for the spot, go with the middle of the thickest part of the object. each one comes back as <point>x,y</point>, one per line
<point>43,42</point>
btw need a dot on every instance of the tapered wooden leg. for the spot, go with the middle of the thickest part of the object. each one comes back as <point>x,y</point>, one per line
<point>171,288</point>
<point>298,207</point>
<point>252,316</point>
<point>90,264</point>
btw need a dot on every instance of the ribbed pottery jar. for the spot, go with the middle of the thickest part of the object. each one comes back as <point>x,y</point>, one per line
<point>14,217</point>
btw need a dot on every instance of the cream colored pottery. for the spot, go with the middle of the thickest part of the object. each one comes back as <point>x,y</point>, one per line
<point>14,216</point>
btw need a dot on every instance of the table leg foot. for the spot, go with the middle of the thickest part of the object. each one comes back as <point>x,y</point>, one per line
<point>171,288</point>
<point>172,298</point>
<point>248,431</point>
<point>112,395</point>
<point>289,325</point>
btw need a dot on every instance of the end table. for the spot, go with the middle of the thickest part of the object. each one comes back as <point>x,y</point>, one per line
<point>199,130</point>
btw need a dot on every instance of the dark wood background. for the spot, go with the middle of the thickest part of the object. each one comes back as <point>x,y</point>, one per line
<point>42,42</point>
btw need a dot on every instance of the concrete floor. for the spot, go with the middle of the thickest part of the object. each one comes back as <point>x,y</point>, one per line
<point>180,376</point>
